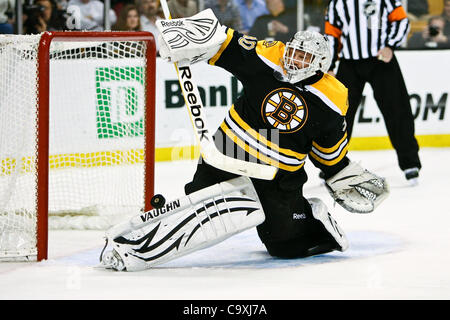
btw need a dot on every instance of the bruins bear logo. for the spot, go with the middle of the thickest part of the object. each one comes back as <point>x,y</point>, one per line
<point>285,110</point>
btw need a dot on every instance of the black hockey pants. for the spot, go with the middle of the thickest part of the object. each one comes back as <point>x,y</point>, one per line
<point>289,230</point>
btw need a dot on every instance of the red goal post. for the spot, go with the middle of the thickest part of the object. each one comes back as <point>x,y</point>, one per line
<point>142,45</point>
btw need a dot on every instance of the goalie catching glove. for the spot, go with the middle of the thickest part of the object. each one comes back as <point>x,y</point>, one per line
<point>190,40</point>
<point>356,189</point>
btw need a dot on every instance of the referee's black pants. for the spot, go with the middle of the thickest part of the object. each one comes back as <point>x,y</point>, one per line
<point>392,97</point>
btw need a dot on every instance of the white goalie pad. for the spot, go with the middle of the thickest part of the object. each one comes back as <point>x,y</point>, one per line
<point>197,221</point>
<point>320,212</point>
<point>356,189</point>
<point>190,40</point>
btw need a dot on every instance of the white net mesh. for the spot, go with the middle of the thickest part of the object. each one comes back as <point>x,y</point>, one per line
<point>97,110</point>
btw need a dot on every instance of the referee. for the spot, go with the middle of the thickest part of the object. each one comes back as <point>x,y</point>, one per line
<point>363,35</point>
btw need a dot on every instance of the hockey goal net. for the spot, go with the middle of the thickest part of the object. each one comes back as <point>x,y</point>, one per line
<point>77,134</point>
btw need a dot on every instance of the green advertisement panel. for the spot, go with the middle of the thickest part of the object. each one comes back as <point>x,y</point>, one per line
<point>120,102</point>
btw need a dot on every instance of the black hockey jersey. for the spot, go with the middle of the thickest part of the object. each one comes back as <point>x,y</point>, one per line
<point>275,122</point>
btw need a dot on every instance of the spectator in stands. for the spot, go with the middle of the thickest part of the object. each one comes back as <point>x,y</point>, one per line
<point>314,15</point>
<point>62,4</point>
<point>226,12</point>
<point>118,5</point>
<point>182,8</point>
<point>418,9</point>
<point>249,11</point>
<point>280,24</point>
<point>90,14</point>
<point>6,14</point>
<point>292,4</point>
<point>128,19</point>
<point>149,13</point>
<point>431,37</point>
<point>446,16</point>
<point>42,16</point>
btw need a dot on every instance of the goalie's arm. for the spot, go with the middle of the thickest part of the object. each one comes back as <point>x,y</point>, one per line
<point>237,55</point>
<point>225,48</point>
<point>350,185</point>
<point>329,150</point>
<point>185,41</point>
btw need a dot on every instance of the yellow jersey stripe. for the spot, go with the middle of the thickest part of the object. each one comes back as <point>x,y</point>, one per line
<point>292,161</point>
<point>331,149</point>
<point>255,153</point>
<point>270,50</point>
<point>224,45</point>
<point>332,92</point>
<point>260,138</point>
<point>330,162</point>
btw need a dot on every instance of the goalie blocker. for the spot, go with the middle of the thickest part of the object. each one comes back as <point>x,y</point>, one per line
<point>190,40</point>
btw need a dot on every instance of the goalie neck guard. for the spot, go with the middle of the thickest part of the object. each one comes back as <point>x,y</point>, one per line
<point>304,55</point>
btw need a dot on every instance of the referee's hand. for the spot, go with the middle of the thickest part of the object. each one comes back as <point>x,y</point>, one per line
<point>385,54</point>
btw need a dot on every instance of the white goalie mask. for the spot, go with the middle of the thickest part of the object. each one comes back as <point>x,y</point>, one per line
<point>305,54</point>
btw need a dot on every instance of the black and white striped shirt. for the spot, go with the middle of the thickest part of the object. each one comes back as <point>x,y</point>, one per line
<point>358,29</point>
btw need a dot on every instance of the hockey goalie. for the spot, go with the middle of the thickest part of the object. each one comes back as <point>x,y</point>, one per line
<point>290,110</point>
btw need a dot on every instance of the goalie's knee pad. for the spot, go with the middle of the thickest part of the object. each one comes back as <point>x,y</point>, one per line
<point>323,235</point>
<point>199,220</point>
<point>320,212</point>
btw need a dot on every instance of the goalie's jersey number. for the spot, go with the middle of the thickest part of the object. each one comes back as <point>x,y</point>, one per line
<point>284,110</point>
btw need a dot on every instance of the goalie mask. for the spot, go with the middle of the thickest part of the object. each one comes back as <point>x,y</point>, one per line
<point>305,54</point>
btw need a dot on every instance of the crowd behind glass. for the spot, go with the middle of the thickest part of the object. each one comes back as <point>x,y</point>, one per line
<point>264,19</point>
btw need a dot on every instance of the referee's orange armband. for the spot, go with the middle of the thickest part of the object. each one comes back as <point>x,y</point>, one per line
<point>397,14</point>
<point>332,30</point>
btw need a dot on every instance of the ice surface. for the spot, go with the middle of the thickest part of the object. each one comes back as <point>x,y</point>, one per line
<point>401,251</point>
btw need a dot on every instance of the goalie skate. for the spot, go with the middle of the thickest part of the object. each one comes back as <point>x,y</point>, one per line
<point>110,259</point>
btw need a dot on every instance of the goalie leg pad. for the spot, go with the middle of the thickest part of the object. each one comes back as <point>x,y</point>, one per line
<point>197,221</point>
